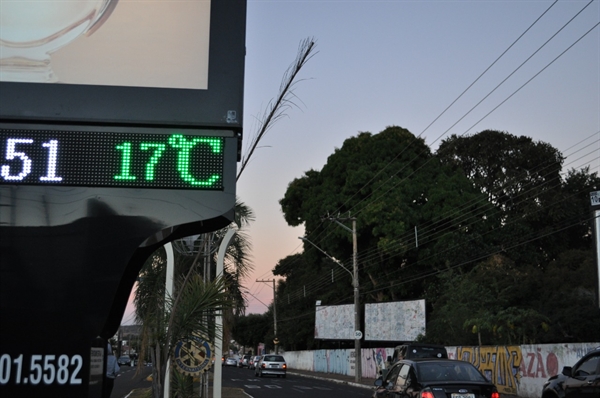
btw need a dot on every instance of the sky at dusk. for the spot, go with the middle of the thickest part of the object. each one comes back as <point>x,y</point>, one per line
<point>402,63</point>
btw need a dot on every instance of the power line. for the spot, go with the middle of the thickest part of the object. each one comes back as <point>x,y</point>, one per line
<point>510,75</point>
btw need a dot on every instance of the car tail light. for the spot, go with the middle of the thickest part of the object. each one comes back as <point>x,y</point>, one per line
<point>495,395</point>
<point>263,366</point>
<point>426,394</point>
<point>285,367</point>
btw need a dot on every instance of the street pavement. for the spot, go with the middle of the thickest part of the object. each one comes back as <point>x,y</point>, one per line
<point>366,383</point>
<point>338,378</point>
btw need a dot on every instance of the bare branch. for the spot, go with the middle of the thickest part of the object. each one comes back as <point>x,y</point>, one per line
<point>276,110</point>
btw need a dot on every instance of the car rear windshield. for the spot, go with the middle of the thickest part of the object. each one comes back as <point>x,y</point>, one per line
<point>426,352</point>
<point>449,371</point>
<point>274,358</point>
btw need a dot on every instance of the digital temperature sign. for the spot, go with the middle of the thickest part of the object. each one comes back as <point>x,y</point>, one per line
<point>173,160</point>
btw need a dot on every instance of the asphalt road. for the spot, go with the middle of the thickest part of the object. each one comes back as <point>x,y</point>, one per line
<point>292,386</point>
<point>127,381</point>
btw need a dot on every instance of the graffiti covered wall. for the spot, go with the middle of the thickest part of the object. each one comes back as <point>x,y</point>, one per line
<point>516,370</point>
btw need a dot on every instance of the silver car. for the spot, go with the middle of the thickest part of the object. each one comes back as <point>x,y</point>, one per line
<point>231,361</point>
<point>271,365</point>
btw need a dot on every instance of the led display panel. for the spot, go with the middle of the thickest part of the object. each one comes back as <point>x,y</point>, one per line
<point>111,159</point>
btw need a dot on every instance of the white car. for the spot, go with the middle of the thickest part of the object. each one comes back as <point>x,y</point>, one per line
<point>271,365</point>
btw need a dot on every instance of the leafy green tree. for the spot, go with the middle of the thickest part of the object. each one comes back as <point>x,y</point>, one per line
<point>505,167</point>
<point>571,208</point>
<point>543,219</point>
<point>296,309</point>
<point>250,330</point>
<point>490,304</point>
<point>522,179</point>
<point>391,183</point>
<point>568,298</point>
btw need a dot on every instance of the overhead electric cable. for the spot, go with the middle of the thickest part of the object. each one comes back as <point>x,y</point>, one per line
<point>515,71</point>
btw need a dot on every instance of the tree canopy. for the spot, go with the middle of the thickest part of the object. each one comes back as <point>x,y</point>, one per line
<point>481,229</point>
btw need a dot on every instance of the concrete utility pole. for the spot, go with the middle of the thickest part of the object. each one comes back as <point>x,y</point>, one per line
<point>357,332</point>
<point>275,339</point>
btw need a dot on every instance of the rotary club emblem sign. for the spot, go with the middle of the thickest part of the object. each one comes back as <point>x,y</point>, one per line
<point>192,355</point>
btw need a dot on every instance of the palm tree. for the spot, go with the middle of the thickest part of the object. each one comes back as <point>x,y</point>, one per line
<point>167,320</point>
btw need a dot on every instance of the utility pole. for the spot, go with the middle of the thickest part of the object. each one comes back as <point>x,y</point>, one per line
<point>275,339</point>
<point>357,332</point>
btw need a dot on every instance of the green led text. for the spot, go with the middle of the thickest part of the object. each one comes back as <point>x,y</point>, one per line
<point>154,153</point>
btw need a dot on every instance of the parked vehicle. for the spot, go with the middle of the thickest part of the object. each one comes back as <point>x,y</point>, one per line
<point>124,360</point>
<point>253,361</point>
<point>271,365</point>
<point>581,380</point>
<point>245,361</point>
<point>231,361</point>
<point>418,350</point>
<point>429,378</point>
<point>414,350</point>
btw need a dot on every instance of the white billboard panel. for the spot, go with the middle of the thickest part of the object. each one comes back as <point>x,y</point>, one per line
<point>142,43</point>
<point>397,321</point>
<point>335,322</point>
<point>173,63</point>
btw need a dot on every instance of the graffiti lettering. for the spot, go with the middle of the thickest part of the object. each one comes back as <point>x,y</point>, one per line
<point>536,361</point>
<point>499,364</point>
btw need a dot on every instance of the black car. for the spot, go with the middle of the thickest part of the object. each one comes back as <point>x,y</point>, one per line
<point>432,378</point>
<point>418,350</point>
<point>124,360</point>
<point>581,380</point>
<point>414,350</point>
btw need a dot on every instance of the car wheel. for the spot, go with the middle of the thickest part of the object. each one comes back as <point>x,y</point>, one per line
<point>283,376</point>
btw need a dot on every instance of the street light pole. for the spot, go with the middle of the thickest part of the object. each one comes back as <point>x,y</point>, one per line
<point>354,275</point>
<point>218,369</point>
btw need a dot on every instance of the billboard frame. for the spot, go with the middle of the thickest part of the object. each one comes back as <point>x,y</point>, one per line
<point>219,106</point>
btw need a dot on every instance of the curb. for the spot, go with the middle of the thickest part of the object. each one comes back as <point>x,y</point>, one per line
<point>248,395</point>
